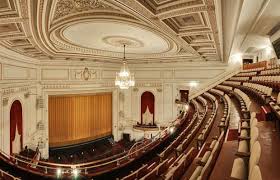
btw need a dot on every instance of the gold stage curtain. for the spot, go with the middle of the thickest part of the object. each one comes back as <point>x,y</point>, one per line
<point>79,118</point>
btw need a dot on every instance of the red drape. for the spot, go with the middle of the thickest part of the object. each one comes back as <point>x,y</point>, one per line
<point>148,99</point>
<point>15,121</point>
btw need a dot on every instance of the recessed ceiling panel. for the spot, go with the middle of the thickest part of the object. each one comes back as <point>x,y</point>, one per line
<point>111,36</point>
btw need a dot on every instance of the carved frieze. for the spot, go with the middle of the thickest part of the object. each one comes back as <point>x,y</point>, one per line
<point>5,101</point>
<point>66,7</point>
<point>85,74</point>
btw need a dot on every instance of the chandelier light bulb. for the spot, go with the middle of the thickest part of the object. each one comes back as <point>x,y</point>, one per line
<point>124,79</point>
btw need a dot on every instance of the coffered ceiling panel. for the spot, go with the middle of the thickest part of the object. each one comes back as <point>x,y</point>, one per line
<point>157,31</point>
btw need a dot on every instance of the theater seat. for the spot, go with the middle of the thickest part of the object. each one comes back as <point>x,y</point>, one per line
<point>213,144</point>
<point>196,173</point>
<point>206,156</point>
<point>244,145</point>
<point>241,168</point>
<point>253,123</point>
<point>256,173</point>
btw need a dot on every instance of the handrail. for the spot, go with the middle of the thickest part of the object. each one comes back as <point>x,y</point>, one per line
<point>89,165</point>
<point>219,79</point>
<point>9,175</point>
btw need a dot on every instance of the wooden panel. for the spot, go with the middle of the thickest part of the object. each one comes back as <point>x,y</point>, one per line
<point>79,118</point>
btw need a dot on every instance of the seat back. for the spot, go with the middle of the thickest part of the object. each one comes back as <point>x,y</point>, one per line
<point>255,156</point>
<point>253,123</point>
<point>254,136</point>
<point>253,114</point>
<point>255,174</point>
<point>278,99</point>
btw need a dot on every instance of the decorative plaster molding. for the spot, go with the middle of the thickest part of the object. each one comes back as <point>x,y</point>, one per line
<point>40,102</point>
<point>121,114</point>
<point>56,86</point>
<point>159,89</point>
<point>121,96</point>
<point>135,89</point>
<point>5,101</point>
<point>13,90</point>
<point>149,84</point>
<point>85,74</point>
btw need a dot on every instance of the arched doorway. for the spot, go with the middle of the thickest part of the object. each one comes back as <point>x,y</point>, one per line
<point>147,108</point>
<point>16,127</point>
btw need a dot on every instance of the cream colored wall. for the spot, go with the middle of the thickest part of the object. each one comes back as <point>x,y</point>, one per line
<point>49,78</point>
<point>17,79</point>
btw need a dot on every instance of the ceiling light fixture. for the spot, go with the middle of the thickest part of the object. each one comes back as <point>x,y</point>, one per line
<point>124,79</point>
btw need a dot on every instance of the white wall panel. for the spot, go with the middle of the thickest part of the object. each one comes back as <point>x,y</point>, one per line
<point>197,73</point>
<point>33,74</point>
<point>0,71</point>
<point>11,72</point>
<point>147,74</point>
<point>108,74</point>
<point>55,74</point>
<point>167,74</point>
<point>167,102</point>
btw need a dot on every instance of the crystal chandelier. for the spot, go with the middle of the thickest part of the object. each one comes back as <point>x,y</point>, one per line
<point>124,79</point>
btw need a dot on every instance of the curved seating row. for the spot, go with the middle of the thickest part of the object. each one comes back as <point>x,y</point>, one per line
<point>184,144</point>
<point>247,167</point>
<point>273,71</point>
<point>271,81</point>
<point>178,168</point>
<point>262,92</point>
<point>244,97</point>
<point>248,132</point>
<point>275,105</point>
<point>246,74</point>
<point>253,69</point>
<point>208,126</point>
<point>232,83</point>
<point>224,122</point>
<point>138,173</point>
<point>249,151</point>
<point>239,78</point>
<point>202,100</point>
<point>226,89</point>
<point>207,163</point>
<point>156,171</point>
<point>180,138</point>
<point>217,92</point>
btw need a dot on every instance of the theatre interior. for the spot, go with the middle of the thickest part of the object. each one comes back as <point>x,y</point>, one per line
<point>140,89</point>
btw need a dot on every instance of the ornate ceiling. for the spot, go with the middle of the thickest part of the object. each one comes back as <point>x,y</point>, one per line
<point>153,30</point>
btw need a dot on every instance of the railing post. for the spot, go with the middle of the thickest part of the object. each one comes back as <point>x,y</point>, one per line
<point>86,171</point>
<point>46,170</point>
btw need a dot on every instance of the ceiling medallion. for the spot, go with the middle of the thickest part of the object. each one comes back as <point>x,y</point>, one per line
<point>124,79</point>
<point>119,41</point>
